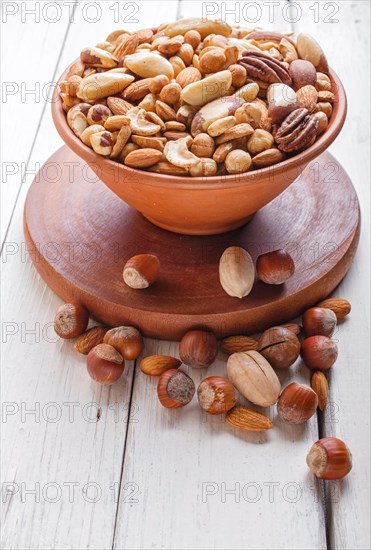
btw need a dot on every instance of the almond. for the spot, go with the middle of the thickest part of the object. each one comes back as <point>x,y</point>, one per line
<point>126,44</point>
<point>307,97</point>
<point>188,76</point>
<point>340,306</point>
<point>118,106</point>
<point>151,142</point>
<point>155,365</point>
<point>165,167</point>
<point>164,111</point>
<point>268,158</point>
<point>137,90</point>
<point>89,339</point>
<point>234,344</point>
<point>320,386</point>
<point>248,419</point>
<point>142,158</point>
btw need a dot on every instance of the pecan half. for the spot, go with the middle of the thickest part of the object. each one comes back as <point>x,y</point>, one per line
<point>296,131</point>
<point>264,67</point>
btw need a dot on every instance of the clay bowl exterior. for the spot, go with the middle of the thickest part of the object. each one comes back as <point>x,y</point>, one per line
<point>200,206</point>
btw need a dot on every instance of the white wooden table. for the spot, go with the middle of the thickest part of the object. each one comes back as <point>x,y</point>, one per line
<point>99,468</point>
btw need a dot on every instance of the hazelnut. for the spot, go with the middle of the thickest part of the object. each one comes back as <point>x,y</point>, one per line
<point>141,271</point>
<point>175,389</point>
<point>322,122</point>
<point>216,395</point>
<point>212,61</point>
<point>319,321</point>
<point>89,339</point>
<point>170,93</point>
<point>275,268</point>
<point>280,347</point>
<point>330,458</point>
<point>193,38</point>
<point>71,320</point>
<point>157,83</point>
<point>205,168</point>
<point>127,341</point>
<point>203,146</point>
<point>297,403</point>
<point>198,348</point>
<point>319,352</point>
<point>237,161</point>
<point>105,364</point>
<point>260,141</point>
<point>239,75</point>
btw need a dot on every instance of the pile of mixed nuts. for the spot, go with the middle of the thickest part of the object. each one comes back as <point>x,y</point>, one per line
<point>199,97</point>
<point>250,370</point>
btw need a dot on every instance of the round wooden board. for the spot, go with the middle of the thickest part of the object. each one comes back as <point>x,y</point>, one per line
<point>82,235</point>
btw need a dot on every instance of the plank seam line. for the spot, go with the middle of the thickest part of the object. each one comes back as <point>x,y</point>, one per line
<point>23,177</point>
<point>124,454</point>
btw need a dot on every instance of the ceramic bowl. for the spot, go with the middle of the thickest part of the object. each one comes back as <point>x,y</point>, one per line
<point>201,206</point>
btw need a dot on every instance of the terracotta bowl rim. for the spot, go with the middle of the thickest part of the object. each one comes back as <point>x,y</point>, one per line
<point>211,182</point>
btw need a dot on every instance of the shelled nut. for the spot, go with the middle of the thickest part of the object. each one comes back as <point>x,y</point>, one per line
<point>245,418</point>
<point>320,386</point>
<point>155,365</point>
<point>89,339</point>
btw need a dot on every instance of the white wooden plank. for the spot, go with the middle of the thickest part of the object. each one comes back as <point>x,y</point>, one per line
<point>349,414</point>
<point>44,372</point>
<point>30,45</point>
<point>204,485</point>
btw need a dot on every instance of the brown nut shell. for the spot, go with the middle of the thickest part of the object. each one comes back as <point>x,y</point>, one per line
<point>105,364</point>
<point>175,389</point>
<point>127,341</point>
<point>297,403</point>
<point>280,347</point>
<point>216,395</point>
<point>71,320</point>
<point>319,352</point>
<point>198,348</point>
<point>319,321</point>
<point>275,268</point>
<point>330,458</point>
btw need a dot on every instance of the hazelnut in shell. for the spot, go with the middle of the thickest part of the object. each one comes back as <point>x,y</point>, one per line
<point>141,271</point>
<point>275,268</point>
<point>105,364</point>
<point>175,389</point>
<point>216,395</point>
<point>297,403</point>
<point>127,340</point>
<point>198,348</point>
<point>319,321</point>
<point>319,352</point>
<point>330,458</point>
<point>71,320</point>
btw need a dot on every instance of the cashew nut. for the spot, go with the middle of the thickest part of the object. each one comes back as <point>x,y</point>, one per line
<point>139,124</point>
<point>176,152</point>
